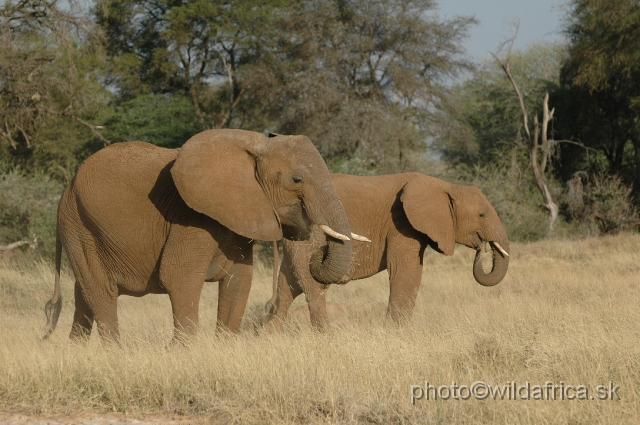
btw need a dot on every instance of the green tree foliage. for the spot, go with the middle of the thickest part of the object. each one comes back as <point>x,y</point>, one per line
<point>206,50</point>
<point>49,90</point>
<point>362,77</point>
<point>600,96</point>
<point>359,77</point>
<point>28,205</point>
<point>163,120</point>
<point>483,140</point>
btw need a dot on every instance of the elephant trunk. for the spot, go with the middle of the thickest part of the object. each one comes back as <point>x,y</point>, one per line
<point>499,267</point>
<point>330,266</point>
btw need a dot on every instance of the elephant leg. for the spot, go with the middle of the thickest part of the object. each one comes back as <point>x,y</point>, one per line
<point>107,320</point>
<point>316,298</point>
<point>186,256</point>
<point>96,299</point>
<point>185,304</point>
<point>82,317</point>
<point>101,306</point>
<point>288,290</point>
<point>404,262</point>
<point>232,297</point>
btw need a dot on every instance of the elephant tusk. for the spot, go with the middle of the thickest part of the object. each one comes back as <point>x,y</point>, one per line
<point>356,237</point>
<point>500,249</point>
<point>329,231</point>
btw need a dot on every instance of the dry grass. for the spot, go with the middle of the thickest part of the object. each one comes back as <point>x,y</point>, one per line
<point>566,312</point>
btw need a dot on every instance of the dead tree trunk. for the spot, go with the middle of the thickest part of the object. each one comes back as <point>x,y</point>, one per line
<point>33,245</point>
<point>13,245</point>
<point>538,143</point>
<point>539,167</point>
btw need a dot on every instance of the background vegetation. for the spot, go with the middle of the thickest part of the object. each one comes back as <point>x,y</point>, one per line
<point>379,86</point>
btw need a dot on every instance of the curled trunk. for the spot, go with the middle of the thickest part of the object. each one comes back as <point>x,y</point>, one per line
<point>498,268</point>
<point>331,264</point>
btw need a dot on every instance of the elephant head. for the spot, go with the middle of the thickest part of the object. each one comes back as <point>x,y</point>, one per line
<point>449,213</point>
<point>265,188</point>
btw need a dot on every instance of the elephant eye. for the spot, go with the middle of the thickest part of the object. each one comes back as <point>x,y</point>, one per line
<point>481,215</point>
<point>297,178</point>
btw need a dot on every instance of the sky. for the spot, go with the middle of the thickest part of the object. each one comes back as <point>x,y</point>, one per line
<point>540,20</point>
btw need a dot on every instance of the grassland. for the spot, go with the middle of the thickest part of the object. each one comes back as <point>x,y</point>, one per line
<point>567,313</point>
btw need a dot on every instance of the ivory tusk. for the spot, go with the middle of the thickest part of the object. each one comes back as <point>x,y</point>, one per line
<point>356,237</point>
<point>500,249</point>
<point>329,231</point>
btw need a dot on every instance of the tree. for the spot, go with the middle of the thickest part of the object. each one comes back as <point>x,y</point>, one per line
<point>362,77</point>
<point>495,124</point>
<point>207,51</point>
<point>538,143</point>
<point>163,120</point>
<point>484,125</point>
<point>359,77</point>
<point>601,82</point>
<point>48,55</point>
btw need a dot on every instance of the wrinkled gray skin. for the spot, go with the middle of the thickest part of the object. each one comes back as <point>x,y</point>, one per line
<point>402,214</point>
<point>139,219</point>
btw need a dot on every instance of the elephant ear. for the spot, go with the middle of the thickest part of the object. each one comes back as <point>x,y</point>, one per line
<point>215,174</point>
<point>429,209</point>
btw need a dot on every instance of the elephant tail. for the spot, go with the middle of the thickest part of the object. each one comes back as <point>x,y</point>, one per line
<point>53,307</point>
<point>271,305</point>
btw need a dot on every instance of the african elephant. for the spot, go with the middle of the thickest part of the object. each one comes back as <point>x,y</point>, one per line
<point>402,214</point>
<point>139,219</point>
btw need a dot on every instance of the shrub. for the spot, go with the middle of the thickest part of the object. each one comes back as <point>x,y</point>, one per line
<point>28,206</point>
<point>166,121</point>
<point>603,205</point>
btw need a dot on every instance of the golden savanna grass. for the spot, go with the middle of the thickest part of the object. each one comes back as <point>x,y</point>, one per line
<point>568,312</point>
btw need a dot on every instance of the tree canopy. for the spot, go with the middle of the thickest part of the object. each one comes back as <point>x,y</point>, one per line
<point>363,77</point>
<point>207,51</point>
<point>600,94</point>
<point>375,84</point>
<point>359,77</point>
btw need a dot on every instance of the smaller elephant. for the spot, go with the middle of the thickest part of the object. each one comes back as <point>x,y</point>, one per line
<point>402,214</point>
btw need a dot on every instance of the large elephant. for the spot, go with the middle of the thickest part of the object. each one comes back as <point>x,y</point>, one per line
<point>139,219</point>
<point>402,214</point>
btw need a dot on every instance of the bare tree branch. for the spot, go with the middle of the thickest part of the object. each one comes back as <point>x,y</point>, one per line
<point>7,135</point>
<point>33,244</point>
<point>538,166</point>
<point>26,137</point>
<point>94,128</point>
<point>544,142</point>
<point>507,70</point>
<point>13,245</point>
<point>227,66</point>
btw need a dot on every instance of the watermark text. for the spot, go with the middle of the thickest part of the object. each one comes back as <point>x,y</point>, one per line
<point>480,390</point>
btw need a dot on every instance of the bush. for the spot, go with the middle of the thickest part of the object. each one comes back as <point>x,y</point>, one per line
<point>166,121</point>
<point>28,206</point>
<point>604,205</point>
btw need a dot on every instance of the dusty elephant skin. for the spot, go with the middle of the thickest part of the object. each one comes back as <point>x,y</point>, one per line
<point>139,219</point>
<point>402,214</point>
